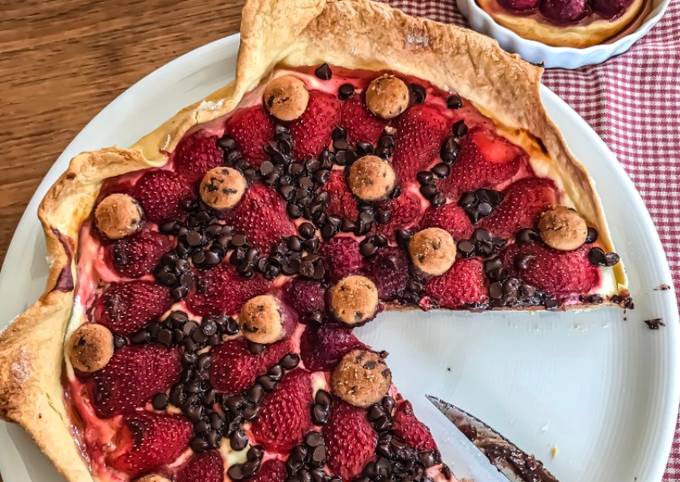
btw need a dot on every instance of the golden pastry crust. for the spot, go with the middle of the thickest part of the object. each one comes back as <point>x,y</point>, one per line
<point>577,36</point>
<point>273,33</point>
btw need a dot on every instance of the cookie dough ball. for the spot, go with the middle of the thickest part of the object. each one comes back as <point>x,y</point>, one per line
<point>222,187</point>
<point>562,228</point>
<point>361,378</point>
<point>387,96</point>
<point>286,97</point>
<point>118,215</point>
<point>371,178</point>
<point>261,320</point>
<point>90,347</point>
<point>432,251</point>
<point>152,478</point>
<point>354,300</point>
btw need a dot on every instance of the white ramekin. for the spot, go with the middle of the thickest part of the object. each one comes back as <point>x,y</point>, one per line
<point>565,57</point>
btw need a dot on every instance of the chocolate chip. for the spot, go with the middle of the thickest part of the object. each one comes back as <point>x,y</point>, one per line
<point>256,348</point>
<point>204,361</point>
<point>164,337</point>
<point>323,72</point>
<point>454,101</point>
<point>323,398</point>
<point>466,247</point>
<point>345,91</point>
<point>319,455</point>
<point>227,143</point>
<point>293,210</point>
<point>418,93</point>
<point>596,256</point>
<point>367,248</point>
<point>328,231</point>
<point>441,170</point>
<point>314,439</point>
<point>141,337</point>
<point>238,440</point>
<point>194,239</point>
<point>268,384</point>
<point>526,236</point>
<point>375,412</point>
<point>319,414</point>
<point>249,412</point>
<point>119,341</point>
<point>275,373</point>
<point>383,215</point>
<point>160,401</point>
<point>402,236</point>
<point>424,177</point>
<point>496,290</point>
<point>199,444</point>
<point>459,129</point>
<point>610,259</point>
<point>428,190</point>
<point>290,361</point>
<point>238,240</point>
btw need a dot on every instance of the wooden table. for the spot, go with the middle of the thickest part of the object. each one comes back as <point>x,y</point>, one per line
<point>62,61</point>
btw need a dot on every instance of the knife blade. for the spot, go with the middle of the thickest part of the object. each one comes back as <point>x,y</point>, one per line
<point>515,464</point>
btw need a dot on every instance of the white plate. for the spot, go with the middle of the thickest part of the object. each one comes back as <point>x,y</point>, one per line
<point>565,57</point>
<point>604,391</point>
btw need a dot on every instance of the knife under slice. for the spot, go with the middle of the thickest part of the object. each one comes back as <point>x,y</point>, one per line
<point>514,464</point>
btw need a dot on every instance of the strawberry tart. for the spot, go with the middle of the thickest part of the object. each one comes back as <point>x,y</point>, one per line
<point>568,23</point>
<point>205,282</point>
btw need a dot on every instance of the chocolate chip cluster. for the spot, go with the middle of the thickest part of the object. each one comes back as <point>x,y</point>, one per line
<point>395,460</point>
<point>449,154</point>
<point>306,461</point>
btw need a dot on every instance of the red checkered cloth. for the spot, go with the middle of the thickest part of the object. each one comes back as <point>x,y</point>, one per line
<point>633,102</point>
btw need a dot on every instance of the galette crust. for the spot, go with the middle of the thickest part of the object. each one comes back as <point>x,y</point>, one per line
<point>273,33</point>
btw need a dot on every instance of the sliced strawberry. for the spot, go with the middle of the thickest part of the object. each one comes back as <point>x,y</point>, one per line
<point>305,296</point>
<point>411,430</point>
<point>389,269</point>
<point>449,217</point>
<point>221,290</point>
<point>484,159</point>
<point>322,347</point>
<point>251,128</point>
<point>342,257</point>
<point>148,440</point>
<point>138,254</point>
<point>312,131</point>
<point>133,375</point>
<point>350,440</point>
<point>196,154</point>
<point>341,201</point>
<point>522,202</point>
<point>556,272</point>
<point>271,471</point>
<point>261,216</point>
<point>127,306</point>
<point>405,210</point>
<point>205,467</point>
<point>420,133</point>
<point>285,414</point>
<point>234,368</point>
<point>160,194</point>
<point>463,285</point>
<point>359,122</point>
